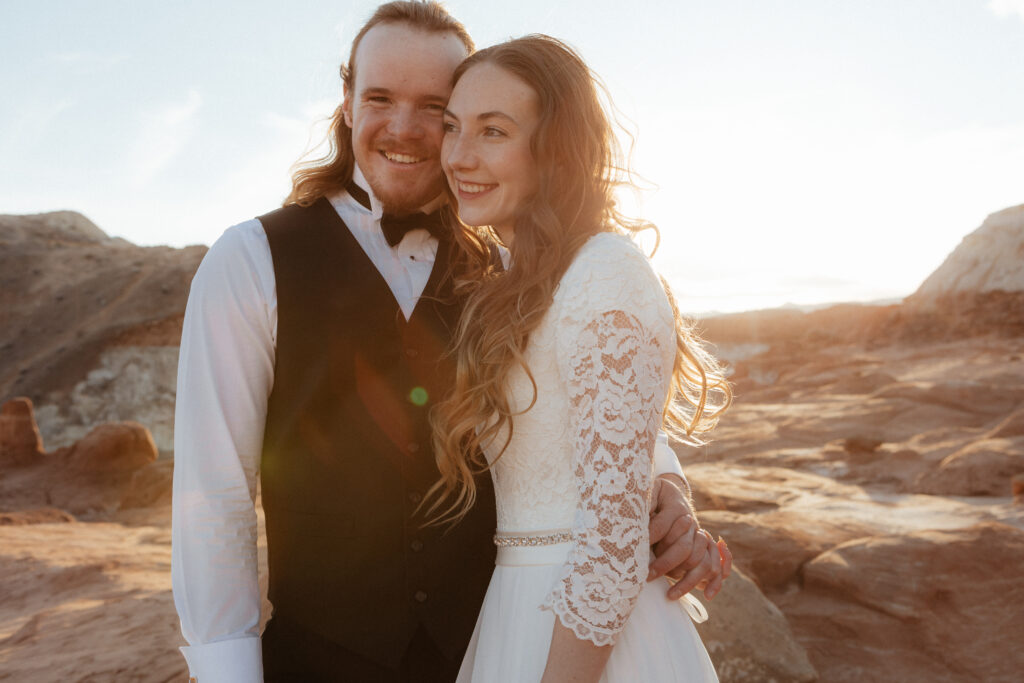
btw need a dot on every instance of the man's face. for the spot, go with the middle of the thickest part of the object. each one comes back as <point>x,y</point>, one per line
<point>402,83</point>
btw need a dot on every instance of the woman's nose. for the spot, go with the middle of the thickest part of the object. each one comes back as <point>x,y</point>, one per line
<point>460,152</point>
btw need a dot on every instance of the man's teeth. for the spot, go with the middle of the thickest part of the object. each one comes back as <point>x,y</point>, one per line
<point>472,187</point>
<point>402,158</point>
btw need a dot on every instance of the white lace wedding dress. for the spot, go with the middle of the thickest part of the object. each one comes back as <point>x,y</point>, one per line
<point>573,487</point>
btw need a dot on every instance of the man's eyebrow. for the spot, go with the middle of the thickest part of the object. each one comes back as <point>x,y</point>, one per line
<point>369,92</point>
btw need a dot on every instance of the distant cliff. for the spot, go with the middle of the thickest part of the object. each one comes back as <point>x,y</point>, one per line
<point>89,324</point>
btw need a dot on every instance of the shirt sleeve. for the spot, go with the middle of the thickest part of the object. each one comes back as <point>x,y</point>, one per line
<point>225,374</point>
<point>665,459</point>
<point>614,349</point>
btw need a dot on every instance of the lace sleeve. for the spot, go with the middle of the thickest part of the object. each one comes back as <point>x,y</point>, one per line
<point>615,376</point>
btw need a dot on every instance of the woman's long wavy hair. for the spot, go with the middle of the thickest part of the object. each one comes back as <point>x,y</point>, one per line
<point>579,165</point>
<point>332,172</point>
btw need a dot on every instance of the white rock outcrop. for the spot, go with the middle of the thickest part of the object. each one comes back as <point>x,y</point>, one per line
<point>990,258</point>
<point>131,383</point>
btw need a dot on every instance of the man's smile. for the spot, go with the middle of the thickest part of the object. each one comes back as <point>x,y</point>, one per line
<point>398,158</point>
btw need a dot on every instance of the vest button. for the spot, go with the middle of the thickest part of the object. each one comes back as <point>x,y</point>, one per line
<point>416,545</point>
<point>412,446</point>
<point>412,353</point>
<point>415,497</point>
<point>420,596</point>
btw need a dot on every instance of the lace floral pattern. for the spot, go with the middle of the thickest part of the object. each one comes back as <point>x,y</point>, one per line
<point>616,384</point>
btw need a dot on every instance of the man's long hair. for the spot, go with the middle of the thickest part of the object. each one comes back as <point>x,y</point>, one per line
<point>579,165</point>
<point>333,171</point>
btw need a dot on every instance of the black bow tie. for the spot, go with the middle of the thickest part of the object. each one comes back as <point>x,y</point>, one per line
<point>396,227</point>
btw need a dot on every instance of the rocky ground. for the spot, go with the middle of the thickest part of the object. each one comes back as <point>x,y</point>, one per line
<point>868,493</point>
<point>864,478</point>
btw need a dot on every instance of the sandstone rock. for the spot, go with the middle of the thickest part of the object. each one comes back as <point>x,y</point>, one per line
<point>37,516</point>
<point>983,468</point>
<point>929,605</point>
<point>969,397</point>
<point>861,444</point>
<point>1012,426</point>
<point>150,486</point>
<point>772,546</point>
<point>749,639</point>
<point>127,383</point>
<point>1018,488</point>
<point>112,448</point>
<point>20,442</point>
<point>987,259</point>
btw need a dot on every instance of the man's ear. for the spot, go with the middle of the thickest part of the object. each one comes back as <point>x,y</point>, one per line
<point>346,108</point>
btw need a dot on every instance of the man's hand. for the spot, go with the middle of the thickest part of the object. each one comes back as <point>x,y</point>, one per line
<point>683,550</point>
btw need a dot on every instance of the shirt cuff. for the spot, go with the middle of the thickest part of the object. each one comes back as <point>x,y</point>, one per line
<point>665,459</point>
<point>239,660</point>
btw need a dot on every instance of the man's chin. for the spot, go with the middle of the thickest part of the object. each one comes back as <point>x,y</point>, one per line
<point>403,199</point>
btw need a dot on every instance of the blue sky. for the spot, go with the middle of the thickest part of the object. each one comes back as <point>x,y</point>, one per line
<point>798,151</point>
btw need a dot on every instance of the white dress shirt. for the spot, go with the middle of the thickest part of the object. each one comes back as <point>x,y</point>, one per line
<point>225,375</point>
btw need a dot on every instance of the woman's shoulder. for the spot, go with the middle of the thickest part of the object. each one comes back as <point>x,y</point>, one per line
<point>609,257</point>
<point>610,247</point>
<point>610,271</point>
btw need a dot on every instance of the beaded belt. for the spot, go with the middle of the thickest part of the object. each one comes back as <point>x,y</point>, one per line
<point>527,549</point>
<point>520,541</point>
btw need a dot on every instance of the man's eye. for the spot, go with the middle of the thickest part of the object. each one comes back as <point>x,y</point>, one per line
<point>434,108</point>
<point>379,99</point>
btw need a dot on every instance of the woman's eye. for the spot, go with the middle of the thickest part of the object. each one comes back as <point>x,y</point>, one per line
<point>448,127</point>
<point>492,132</point>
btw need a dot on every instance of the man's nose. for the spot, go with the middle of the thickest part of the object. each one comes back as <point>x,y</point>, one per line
<point>406,122</point>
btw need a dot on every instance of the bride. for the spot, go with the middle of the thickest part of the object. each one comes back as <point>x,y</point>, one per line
<point>570,360</point>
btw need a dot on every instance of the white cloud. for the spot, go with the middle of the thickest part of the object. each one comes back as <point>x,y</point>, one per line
<point>1006,8</point>
<point>162,135</point>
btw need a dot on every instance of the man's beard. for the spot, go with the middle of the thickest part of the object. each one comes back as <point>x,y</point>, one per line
<point>400,203</point>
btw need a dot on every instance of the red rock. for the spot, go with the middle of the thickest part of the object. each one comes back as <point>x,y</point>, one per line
<point>983,468</point>
<point>929,605</point>
<point>773,546</point>
<point>1018,488</point>
<point>1012,426</point>
<point>20,441</point>
<point>749,639</point>
<point>113,447</point>
<point>36,516</point>
<point>861,444</point>
<point>150,486</point>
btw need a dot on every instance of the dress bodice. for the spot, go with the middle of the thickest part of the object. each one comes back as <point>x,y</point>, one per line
<point>579,457</point>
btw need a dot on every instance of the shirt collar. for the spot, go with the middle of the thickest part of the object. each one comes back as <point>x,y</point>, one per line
<point>375,206</point>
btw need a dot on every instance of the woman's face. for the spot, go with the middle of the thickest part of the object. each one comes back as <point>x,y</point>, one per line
<point>488,125</point>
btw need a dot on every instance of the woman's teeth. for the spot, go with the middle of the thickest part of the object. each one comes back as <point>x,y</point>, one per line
<point>473,188</point>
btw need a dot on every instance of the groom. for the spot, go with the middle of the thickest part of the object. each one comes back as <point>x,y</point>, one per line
<point>312,350</point>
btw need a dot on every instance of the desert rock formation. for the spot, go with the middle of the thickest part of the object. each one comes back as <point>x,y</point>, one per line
<point>988,259</point>
<point>20,441</point>
<point>869,477</point>
<point>91,324</point>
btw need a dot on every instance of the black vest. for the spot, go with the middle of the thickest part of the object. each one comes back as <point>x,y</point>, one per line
<point>347,455</point>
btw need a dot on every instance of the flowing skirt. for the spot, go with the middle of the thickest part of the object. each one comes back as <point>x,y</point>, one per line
<point>513,634</point>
